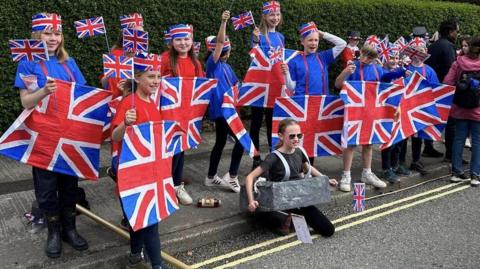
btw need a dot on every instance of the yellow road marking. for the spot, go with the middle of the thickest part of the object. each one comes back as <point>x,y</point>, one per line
<point>279,239</point>
<point>342,227</point>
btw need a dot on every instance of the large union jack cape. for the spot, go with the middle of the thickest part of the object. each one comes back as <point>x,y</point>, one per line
<point>28,49</point>
<point>264,80</point>
<point>369,111</point>
<point>117,66</point>
<point>320,118</point>
<point>231,116</point>
<point>144,172</point>
<point>417,109</point>
<point>63,133</point>
<point>443,95</point>
<point>90,27</point>
<point>185,100</point>
<point>135,40</point>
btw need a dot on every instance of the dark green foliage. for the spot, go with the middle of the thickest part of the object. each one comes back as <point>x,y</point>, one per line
<point>393,17</point>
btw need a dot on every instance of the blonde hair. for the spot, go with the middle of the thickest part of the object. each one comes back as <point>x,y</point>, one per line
<point>369,51</point>
<point>264,25</point>
<point>282,126</point>
<point>61,53</point>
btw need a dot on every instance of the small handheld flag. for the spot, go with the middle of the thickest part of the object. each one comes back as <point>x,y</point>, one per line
<point>28,49</point>
<point>90,27</point>
<point>135,40</point>
<point>243,20</point>
<point>117,66</point>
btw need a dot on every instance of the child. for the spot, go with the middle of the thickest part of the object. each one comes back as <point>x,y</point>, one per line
<point>129,112</point>
<point>429,74</point>
<point>290,135</point>
<point>218,68</point>
<point>181,62</point>
<point>365,69</point>
<point>267,37</point>
<point>55,192</point>
<point>351,52</point>
<point>307,73</point>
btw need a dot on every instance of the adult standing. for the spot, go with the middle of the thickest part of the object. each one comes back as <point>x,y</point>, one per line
<point>443,54</point>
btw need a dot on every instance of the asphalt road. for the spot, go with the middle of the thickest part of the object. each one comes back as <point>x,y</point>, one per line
<point>431,230</point>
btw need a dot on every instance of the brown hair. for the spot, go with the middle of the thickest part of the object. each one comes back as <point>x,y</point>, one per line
<point>369,51</point>
<point>474,48</point>
<point>282,126</point>
<point>264,26</point>
<point>173,56</point>
<point>61,53</point>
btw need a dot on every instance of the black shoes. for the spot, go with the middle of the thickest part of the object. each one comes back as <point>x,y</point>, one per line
<point>54,242</point>
<point>69,232</point>
<point>419,167</point>
<point>431,153</point>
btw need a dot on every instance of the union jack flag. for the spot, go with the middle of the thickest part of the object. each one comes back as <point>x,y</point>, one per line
<point>243,20</point>
<point>417,42</point>
<point>117,66</point>
<point>131,20</point>
<point>231,116</point>
<point>358,197</point>
<point>147,61</point>
<point>320,118</point>
<point>185,100</point>
<point>46,21</point>
<point>145,186</point>
<point>401,43</point>
<point>417,110</point>
<point>90,27</point>
<point>63,133</point>
<point>369,111</point>
<point>443,95</point>
<point>384,49</point>
<point>135,40</point>
<point>263,81</point>
<point>373,40</point>
<point>270,6</point>
<point>28,49</point>
<point>276,54</point>
<point>413,53</point>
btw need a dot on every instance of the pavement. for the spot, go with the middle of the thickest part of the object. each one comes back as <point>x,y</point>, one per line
<point>188,228</point>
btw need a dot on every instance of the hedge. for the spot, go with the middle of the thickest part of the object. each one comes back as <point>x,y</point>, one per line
<point>393,17</point>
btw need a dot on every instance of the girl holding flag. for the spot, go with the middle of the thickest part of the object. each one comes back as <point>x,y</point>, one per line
<point>56,193</point>
<point>217,67</point>
<point>139,109</point>
<point>181,62</point>
<point>268,38</point>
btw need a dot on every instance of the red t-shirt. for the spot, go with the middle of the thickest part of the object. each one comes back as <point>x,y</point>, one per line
<point>146,111</point>
<point>185,67</point>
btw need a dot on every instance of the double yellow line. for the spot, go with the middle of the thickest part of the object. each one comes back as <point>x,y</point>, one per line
<point>443,192</point>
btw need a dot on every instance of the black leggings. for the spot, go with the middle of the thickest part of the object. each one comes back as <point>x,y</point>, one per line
<point>391,156</point>
<point>177,168</point>
<point>314,217</point>
<point>222,130</point>
<point>256,123</point>
<point>416,150</point>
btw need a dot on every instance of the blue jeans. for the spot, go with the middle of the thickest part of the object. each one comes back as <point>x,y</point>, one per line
<point>462,129</point>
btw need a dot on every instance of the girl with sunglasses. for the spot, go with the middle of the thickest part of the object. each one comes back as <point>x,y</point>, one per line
<point>288,150</point>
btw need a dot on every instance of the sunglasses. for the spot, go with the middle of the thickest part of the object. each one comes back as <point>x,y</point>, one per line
<point>292,136</point>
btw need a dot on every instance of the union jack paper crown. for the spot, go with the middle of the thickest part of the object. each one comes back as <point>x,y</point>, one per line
<point>144,61</point>
<point>306,29</point>
<point>270,6</point>
<point>131,21</point>
<point>418,42</point>
<point>211,42</point>
<point>46,21</point>
<point>180,31</point>
<point>167,38</point>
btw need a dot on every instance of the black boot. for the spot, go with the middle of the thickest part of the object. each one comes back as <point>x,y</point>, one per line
<point>69,232</point>
<point>54,242</point>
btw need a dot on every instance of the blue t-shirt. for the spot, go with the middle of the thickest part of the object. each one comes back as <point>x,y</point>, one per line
<point>317,72</point>
<point>425,71</point>
<point>57,70</point>
<point>371,72</point>
<point>226,78</point>
<point>24,68</point>
<point>276,40</point>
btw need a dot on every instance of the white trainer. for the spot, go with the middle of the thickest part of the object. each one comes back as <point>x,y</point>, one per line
<point>216,181</point>
<point>372,179</point>
<point>182,195</point>
<point>345,183</point>
<point>231,182</point>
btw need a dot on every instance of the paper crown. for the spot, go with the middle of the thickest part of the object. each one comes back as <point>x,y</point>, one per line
<point>270,6</point>
<point>211,43</point>
<point>306,29</point>
<point>180,31</point>
<point>418,42</point>
<point>144,61</point>
<point>46,21</point>
<point>131,21</point>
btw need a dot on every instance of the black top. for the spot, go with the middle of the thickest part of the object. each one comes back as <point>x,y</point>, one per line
<point>274,169</point>
<point>443,54</point>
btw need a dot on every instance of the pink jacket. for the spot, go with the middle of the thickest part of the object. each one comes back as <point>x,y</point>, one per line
<point>463,63</point>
